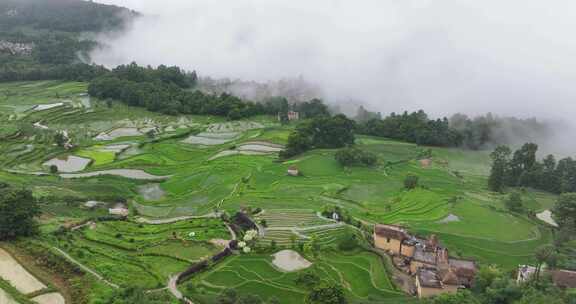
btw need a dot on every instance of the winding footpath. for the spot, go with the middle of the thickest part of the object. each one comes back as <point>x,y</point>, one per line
<point>173,280</point>
<point>85,268</point>
<point>144,220</point>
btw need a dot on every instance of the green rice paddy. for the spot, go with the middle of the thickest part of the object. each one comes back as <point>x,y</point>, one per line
<point>361,273</point>
<point>453,186</point>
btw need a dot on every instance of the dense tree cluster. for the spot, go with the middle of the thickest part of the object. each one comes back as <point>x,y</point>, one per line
<point>488,130</point>
<point>18,209</point>
<point>71,72</point>
<point>522,168</point>
<point>165,89</point>
<point>48,35</point>
<point>413,127</point>
<point>309,109</point>
<point>312,109</point>
<point>327,294</point>
<point>295,90</point>
<point>363,115</point>
<point>351,156</point>
<point>137,296</point>
<point>475,133</point>
<point>565,211</point>
<point>323,132</point>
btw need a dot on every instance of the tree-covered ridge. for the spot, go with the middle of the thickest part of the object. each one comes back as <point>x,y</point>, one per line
<point>61,15</point>
<point>42,39</point>
<point>322,132</point>
<point>165,89</point>
<point>415,127</point>
<point>489,130</point>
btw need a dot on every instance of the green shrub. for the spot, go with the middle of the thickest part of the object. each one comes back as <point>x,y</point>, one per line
<point>353,156</point>
<point>411,181</point>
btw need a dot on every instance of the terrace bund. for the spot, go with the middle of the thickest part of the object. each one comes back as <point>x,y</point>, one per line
<point>434,271</point>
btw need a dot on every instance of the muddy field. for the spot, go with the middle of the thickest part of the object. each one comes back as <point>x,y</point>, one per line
<point>13,272</point>
<point>49,298</point>
<point>290,260</point>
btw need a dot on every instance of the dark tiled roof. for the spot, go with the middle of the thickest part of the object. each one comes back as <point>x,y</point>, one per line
<point>428,277</point>
<point>450,278</point>
<point>390,231</point>
<point>424,256</point>
<point>463,268</point>
<point>564,278</point>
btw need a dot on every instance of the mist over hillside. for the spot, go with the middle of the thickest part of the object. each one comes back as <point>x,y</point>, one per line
<point>444,57</point>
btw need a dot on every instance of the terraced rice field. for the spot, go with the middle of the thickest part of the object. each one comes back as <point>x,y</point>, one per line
<point>246,173</point>
<point>131,254</point>
<point>292,218</point>
<point>362,275</point>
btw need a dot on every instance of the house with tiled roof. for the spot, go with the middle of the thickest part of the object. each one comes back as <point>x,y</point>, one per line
<point>429,282</point>
<point>390,238</point>
<point>434,271</point>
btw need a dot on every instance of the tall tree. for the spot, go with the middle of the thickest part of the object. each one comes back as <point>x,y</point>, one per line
<point>521,164</point>
<point>17,211</point>
<point>500,158</point>
<point>564,211</point>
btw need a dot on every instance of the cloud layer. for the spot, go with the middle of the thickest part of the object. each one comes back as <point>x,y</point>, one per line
<point>514,57</point>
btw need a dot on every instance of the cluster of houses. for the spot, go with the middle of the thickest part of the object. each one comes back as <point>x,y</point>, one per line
<point>434,271</point>
<point>16,49</point>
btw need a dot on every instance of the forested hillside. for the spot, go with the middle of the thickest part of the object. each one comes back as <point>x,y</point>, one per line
<point>40,39</point>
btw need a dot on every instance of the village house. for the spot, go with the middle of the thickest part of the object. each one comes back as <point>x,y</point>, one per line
<point>525,273</point>
<point>392,239</point>
<point>429,283</point>
<point>15,48</point>
<point>434,270</point>
<point>291,115</point>
<point>119,209</point>
<point>293,171</point>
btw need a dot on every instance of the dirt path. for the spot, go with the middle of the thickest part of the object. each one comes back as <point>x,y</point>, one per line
<point>172,285</point>
<point>176,219</point>
<point>173,288</point>
<point>85,268</point>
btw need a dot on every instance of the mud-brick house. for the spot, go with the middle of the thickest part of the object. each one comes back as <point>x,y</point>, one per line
<point>434,271</point>
<point>428,253</point>
<point>293,171</point>
<point>430,282</point>
<point>465,271</point>
<point>393,239</point>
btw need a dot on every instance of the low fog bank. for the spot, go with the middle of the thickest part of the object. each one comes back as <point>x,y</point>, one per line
<point>514,58</point>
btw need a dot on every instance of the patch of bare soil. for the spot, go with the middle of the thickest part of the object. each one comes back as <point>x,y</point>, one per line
<point>290,260</point>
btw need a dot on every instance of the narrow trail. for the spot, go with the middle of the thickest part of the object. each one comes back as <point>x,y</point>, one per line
<point>144,220</point>
<point>173,288</point>
<point>172,285</point>
<point>85,268</point>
